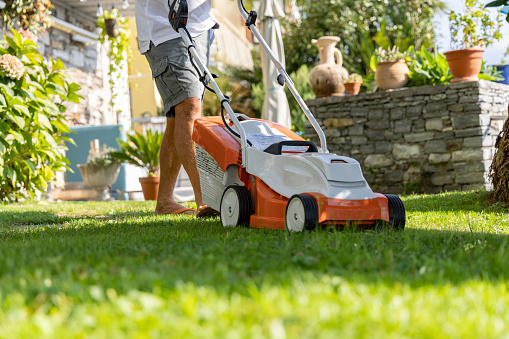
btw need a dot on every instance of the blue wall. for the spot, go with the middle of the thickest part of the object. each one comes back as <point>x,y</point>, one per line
<point>107,135</point>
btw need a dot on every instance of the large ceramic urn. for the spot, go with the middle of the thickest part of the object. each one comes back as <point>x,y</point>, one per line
<point>326,79</point>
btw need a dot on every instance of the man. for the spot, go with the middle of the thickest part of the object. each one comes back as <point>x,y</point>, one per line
<point>181,91</point>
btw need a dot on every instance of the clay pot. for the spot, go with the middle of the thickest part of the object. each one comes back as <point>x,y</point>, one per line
<point>326,79</point>
<point>352,88</point>
<point>391,74</point>
<point>465,64</point>
<point>150,187</point>
<point>112,28</point>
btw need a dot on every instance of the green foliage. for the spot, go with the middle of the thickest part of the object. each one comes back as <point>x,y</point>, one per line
<point>32,127</point>
<point>119,52</point>
<point>34,16</point>
<point>474,28</point>
<point>101,157</point>
<point>497,3</point>
<point>362,26</point>
<point>300,79</point>
<point>141,150</point>
<point>428,69</point>
<point>389,54</point>
<point>490,73</point>
<point>354,77</point>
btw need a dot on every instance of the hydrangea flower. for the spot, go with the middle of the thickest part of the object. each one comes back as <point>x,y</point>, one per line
<point>11,66</point>
<point>28,34</point>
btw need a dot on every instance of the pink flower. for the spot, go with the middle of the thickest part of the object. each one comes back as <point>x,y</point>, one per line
<point>27,34</point>
<point>11,67</point>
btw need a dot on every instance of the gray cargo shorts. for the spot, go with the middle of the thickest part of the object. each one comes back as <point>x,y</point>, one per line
<point>176,78</point>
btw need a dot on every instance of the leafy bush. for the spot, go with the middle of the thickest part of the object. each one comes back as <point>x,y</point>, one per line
<point>300,79</point>
<point>389,54</point>
<point>141,150</point>
<point>102,157</point>
<point>354,77</point>
<point>34,16</point>
<point>362,26</point>
<point>474,28</point>
<point>31,125</point>
<point>428,69</point>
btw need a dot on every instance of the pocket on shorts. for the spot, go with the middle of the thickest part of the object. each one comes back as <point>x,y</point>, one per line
<point>166,80</point>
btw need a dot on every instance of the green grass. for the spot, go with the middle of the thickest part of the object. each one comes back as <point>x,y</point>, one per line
<point>113,270</point>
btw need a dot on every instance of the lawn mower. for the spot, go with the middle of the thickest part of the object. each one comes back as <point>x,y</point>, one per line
<point>259,173</point>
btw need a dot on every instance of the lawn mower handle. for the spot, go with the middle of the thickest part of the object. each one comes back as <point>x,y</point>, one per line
<point>250,23</point>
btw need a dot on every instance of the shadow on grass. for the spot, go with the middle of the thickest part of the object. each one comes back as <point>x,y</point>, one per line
<point>39,218</point>
<point>159,252</point>
<point>452,201</point>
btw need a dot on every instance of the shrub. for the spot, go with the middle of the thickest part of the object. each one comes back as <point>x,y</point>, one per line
<point>102,157</point>
<point>31,125</point>
<point>354,77</point>
<point>141,150</point>
<point>428,69</point>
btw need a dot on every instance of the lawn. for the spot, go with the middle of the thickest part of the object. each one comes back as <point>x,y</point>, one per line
<point>114,270</point>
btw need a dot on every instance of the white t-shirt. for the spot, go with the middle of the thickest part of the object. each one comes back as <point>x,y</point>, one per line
<point>153,25</point>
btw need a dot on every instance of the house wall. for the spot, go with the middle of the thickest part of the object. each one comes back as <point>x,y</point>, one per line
<point>429,138</point>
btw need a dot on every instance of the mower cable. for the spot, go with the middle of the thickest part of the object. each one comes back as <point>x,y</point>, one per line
<point>202,77</point>
<point>228,99</point>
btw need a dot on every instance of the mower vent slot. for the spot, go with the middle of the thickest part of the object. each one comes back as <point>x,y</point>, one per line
<point>338,161</point>
<point>211,177</point>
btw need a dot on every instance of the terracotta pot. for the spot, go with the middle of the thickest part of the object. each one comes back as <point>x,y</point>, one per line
<point>150,187</point>
<point>112,28</point>
<point>352,88</point>
<point>326,79</point>
<point>391,74</point>
<point>465,64</point>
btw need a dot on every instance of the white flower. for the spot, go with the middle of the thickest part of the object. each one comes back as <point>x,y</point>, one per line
<point>11,66</point>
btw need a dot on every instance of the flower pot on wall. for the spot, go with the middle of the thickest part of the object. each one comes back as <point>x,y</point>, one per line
<point>150,187</point>
<point>465,64</point>
<point>326,79</point>
<point>352,88</point>
<point>391,74</point>
<point>112,28</point>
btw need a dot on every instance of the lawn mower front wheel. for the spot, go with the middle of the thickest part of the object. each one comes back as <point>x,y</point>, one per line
<point>301,213</point>
<point>397,214</point>
<point>236,206</point>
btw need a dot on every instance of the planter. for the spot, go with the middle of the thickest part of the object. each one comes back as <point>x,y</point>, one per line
<point>100,179</point>
<point>352,88</point>
<point>392,74</point>
<point>150,187</point>
<point>112,28</point>
<point>505,73</point>
<point>465,64</point>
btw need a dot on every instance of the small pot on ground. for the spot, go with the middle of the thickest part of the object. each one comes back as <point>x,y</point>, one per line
<point>150,187</point>
<point>465,64</point>
<point>352,88</point>
<point>392,74</point>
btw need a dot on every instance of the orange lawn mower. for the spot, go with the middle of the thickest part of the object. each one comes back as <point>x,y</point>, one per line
<point>259,173</point>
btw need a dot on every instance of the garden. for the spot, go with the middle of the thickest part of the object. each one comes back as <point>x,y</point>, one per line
<point>114,269</point>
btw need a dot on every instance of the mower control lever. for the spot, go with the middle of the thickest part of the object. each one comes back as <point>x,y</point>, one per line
<point>281,79</point>
<point>277,148</point>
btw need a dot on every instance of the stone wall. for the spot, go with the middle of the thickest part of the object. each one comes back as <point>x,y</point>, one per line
<point>418,139</point>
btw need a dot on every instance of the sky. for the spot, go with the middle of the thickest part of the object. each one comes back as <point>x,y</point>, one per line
<point>493,54</point>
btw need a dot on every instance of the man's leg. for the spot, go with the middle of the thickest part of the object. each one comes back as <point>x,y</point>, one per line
<point>169,167</point>
<point>185,114</point>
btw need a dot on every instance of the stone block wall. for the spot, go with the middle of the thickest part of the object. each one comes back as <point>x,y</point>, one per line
<point>418,139</point>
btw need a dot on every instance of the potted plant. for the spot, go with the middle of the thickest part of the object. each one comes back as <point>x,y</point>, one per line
<point>100,171</point>
<point>143,151</point>
<point>471,33</point>
<point>391,70</point>
<point>353,84</point>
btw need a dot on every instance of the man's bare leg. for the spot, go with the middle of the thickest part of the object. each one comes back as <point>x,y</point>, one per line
<point>185,114</point>
<point>169,167</point>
